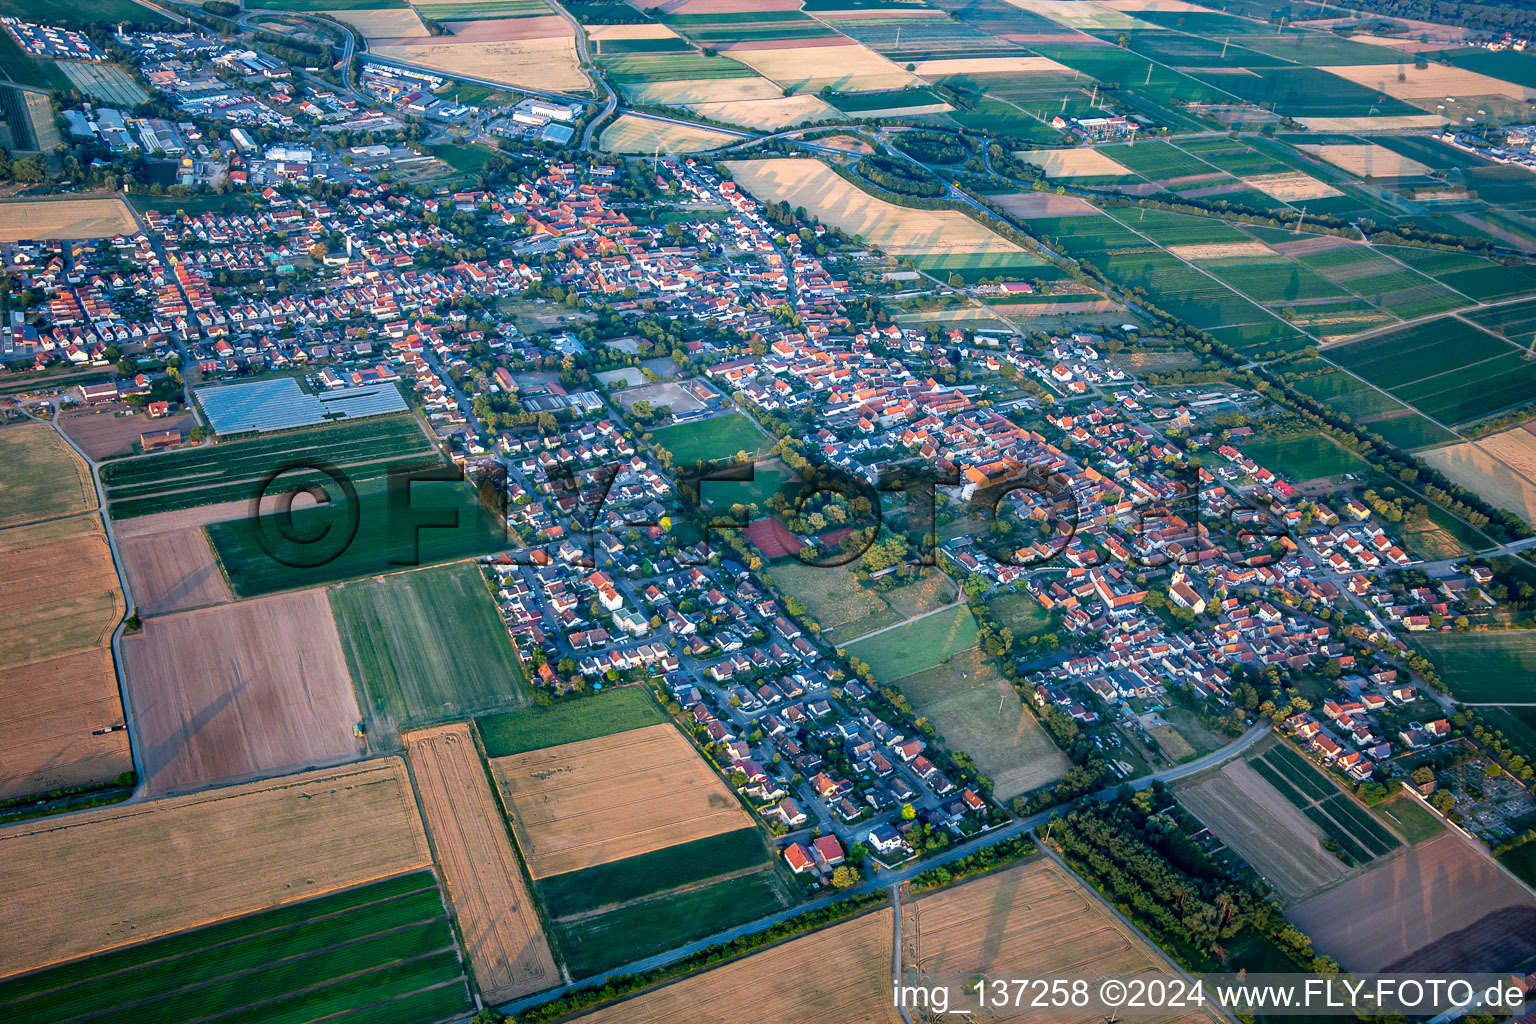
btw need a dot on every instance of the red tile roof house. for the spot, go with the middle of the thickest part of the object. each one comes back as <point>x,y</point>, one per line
<point>799,858</point>
<point>828,851</point>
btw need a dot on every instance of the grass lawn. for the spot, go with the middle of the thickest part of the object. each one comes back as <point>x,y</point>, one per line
<point>719,437</point>
<point>1412,820</point>
<point>443,522</point>
<point>303,961</point>
<point>917,645</point>
<point>975,710</point>
<point>43,476</point>
<point>1494,667</point>
<point>427,646</point>
<point>1304,457</point>
<point>612,710</point>
<point>1021,613</point>
<point>1193,731</point>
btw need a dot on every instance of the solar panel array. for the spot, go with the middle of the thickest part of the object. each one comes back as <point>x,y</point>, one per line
<point>280,404</point>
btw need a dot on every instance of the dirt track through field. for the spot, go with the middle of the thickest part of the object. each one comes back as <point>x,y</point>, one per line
<point>500,925</point>
<point>580,804</point>
<point>1264,828</point>
<point>1441,906</point>
<point>840,975</point>
<point>237,690</point>
<point>1034,918</point>
<point>93,881</point>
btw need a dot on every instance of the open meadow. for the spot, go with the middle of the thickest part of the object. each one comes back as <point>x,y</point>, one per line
<point>1441,906</point>
<point>836,202</point>
<point>65,218</point>
<point>427,645</point>
<point>1492,667</point>
<point>72,891</point>
<point>237,690</point>
<point>502,933</point>
<point>380,950</point>
<point>917,645</point>
<point>976,711</point>
<point>43,477</point>
<point>571,809</point>
<point>60,599</point>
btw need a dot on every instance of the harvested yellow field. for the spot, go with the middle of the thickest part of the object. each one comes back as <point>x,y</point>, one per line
<point>1072,163</point>
<point>630,134</point>
<point>591,802</point>
<point>1080,14</point>
<point>1500,468</point>
<point>43,476</point>
<point>496,916</point>
<point>1372,124</point>
<point>1034,918</point>
<point>650,30</point>
<point>1292,186</point>
<point>1433,83</point>
<point>1157,5</point>
<point>839,975</point>
<point>926,108</point>
<point>801,181</point>
<point>548,62</point>
<point>394,23</point>
<point>1365,158</point>
<point>769,115</point>
<point>695,90</point>
<point>93,881</point>
<point>850,68</point>
<point>1220,250</point>
<point>64,218</point>
<point>986,66</point>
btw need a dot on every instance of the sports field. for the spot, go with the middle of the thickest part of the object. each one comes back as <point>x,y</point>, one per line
<point>719,437</point>
<point>71,891</point>
<point>1494,667</point>
<point>612,710</point>
<point>917,645</point>
<point>379,951</point>
<point>1304,457</point>
<point>976,711</point>
<point>43,477</point>
<point>427,645</point>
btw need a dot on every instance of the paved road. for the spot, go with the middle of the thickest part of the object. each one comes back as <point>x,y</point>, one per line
<point>593,72</point>
<point>888,879</point>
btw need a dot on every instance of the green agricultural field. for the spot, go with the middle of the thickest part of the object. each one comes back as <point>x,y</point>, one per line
<point>383,951</point>
<point>427,646</point>
<point>1157,160</point>
<point>1412,820</point>
<point>1493,667</point>
<point>1305,457</point>
<point>917,645</point>
<point>47,11</point>
<point>977,711</point>
<point>1518,724</point>
<point>633,68</point>
<point>1272,280</point>
<point>1260,338</point>
<point>719,437</point>
<point>617,709</point>
<point>1480,278</point>
<point>365,450</point>
<point>413,526</point>
<point>858,102</point>
<point>471,10</point>
<point>577,892</point>
<point>1010,266</point>
<point>43,477</point>
<point>593,944</point>
<point>1324,804</point>
<point>305,6</point>
<point>1309,92</point>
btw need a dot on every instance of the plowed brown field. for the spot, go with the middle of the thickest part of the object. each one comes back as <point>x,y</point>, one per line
<point>1032,919</point>
<point>839,975</point>
<point>580,804</point>
<point>237,690</point>
<point>59,600</point>
<point>496,915</point>
<point>172,571</point>
<point>104,878</point>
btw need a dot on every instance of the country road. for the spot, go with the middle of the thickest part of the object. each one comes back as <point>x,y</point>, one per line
<point>888,879</point>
